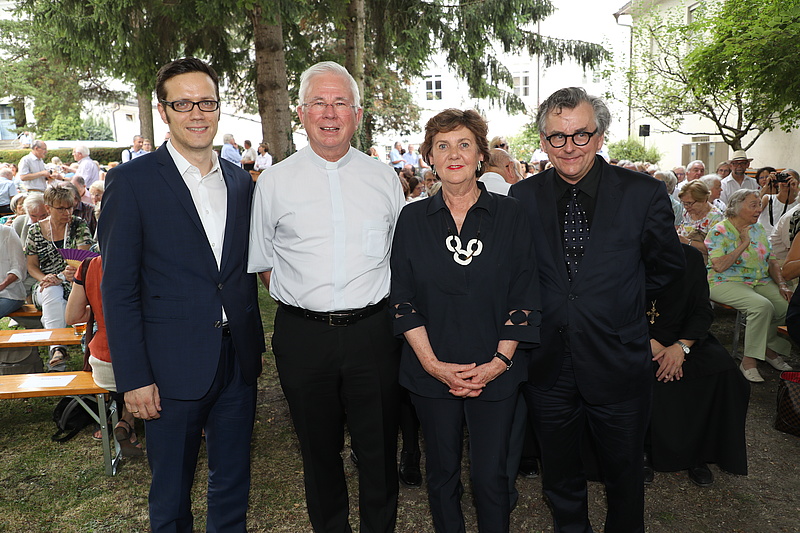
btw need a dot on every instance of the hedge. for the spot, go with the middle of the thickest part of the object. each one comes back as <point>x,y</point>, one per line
<point>103,155</point>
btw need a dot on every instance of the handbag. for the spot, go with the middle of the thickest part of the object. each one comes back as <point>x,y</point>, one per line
<point>787,418</point>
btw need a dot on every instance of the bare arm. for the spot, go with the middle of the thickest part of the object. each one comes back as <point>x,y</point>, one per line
<point>77,309</point>
<point>791,267</point>
<point>723,263</point>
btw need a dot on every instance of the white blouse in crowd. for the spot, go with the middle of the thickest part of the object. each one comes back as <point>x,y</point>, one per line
<point>12,261</point>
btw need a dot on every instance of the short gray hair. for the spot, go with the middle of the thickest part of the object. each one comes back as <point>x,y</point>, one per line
<point>328,67</point>
<point>81,149</point>
<point>228,137</point>
<point>693,163</point>
<point>736,200</point>
<point>709,180</point>
<point>6,172</point>
<point>570,98</point>
<point>77,178</point>
<point>668,178</point>
<point>32,201</point>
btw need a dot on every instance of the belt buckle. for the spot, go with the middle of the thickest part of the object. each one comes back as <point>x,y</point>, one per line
<point>334,317</point>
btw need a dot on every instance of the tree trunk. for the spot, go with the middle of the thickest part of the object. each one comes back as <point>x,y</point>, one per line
<point>20,120</point>
<point>272,85</point>
<point>354,51</point>
<point>145,99</point>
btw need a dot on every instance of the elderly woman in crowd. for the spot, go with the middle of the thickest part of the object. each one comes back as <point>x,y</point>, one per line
<point>45,263</point>
<point>778,196</point>
<point>699,215</point>
<point>699,411</point>
<point>670,181</point>
<point>462,327</point>
<point>714,184</point>
<point>745,276</point>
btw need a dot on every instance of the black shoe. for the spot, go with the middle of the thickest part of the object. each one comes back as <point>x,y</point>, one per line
<point>528,467</point>
<point>701,475</point>
<point>649,474</point>
<point>353,458</point>
<point>409,472</point>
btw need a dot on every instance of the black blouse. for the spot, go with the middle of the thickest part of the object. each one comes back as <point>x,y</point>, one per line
<point>465,307</point>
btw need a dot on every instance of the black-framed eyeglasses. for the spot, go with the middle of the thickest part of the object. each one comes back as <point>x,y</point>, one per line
<point>68,209</point>
<point>688,205</point>
<point>184,106</point>
<point>340,108</point>
<point>502,145</point>
<point>582,138</point>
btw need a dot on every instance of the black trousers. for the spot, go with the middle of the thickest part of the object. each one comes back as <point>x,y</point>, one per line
<point>560,417</point>
<point>332,375</point>
<point>489,426</point>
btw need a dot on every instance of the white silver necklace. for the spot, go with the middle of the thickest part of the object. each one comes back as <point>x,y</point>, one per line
<point>463,256</point>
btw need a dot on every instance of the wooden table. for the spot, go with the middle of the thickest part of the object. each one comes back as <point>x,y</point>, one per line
<point>15,386</point>
<point>57,336</point>
<point>26,310</point>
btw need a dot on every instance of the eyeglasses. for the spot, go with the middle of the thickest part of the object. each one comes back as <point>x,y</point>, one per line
<point>63,209</point>
<point>582,138</point>
<point>184,106</point>
<point>687,205</point>
<point>319,108</point>
<point>502,145</point>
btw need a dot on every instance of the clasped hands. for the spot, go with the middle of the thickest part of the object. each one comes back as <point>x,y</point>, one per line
<point>53,279</point>
<point>670,361</point>
<point>466,380</point>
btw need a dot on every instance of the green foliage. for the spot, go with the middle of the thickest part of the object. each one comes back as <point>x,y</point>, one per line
<point>733,65</point>
<point>97,130</point>
<point>64,128</point>
<point>633,150</point>
<point>525,143</point>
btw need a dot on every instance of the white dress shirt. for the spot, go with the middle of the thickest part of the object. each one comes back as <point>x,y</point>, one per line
<point>495,183</point>
<point>30,164</point>
<point>263,162</point>
<point>325,230</point>
<point>210,197</point>
<point>12,261</point>
<point>779,238</point>
<point>88,170</point>
<point>730,186</point>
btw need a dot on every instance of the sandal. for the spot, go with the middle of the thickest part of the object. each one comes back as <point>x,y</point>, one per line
<point>58,356</point>
<point>98,433</point>
<point>123,433</point>
<point>131,447</point>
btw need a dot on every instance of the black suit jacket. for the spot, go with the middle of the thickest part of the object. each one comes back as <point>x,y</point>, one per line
<point>600,317</point>
<point>162,290</point>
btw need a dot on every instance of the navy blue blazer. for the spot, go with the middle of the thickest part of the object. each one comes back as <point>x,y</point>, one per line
<point>162,290</point>
<point>633,250</point>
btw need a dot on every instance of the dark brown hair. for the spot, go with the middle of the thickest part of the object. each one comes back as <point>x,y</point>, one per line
<point>451,119</point>
<point>183,66</point>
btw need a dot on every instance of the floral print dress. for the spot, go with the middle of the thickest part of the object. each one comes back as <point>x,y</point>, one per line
<point>752,267</point>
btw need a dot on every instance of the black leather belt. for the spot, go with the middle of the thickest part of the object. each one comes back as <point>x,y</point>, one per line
<point>336,318</point>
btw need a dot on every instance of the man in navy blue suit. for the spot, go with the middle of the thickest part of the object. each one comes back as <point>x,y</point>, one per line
<point>604,240</point>
<point>181,310</point>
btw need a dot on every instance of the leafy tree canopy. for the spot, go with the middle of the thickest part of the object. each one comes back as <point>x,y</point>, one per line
<point>732,65</point>
<point>633,150</point>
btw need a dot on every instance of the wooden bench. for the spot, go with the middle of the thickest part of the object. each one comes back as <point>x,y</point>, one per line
<point>25,310</point>
<point>36,386</point>
<point>20,338</point>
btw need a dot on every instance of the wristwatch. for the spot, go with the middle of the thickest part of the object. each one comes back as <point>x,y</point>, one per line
<point>684,347</point>
<point>509,363</point>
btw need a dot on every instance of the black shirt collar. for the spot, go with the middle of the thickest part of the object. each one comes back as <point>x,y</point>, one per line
<point>588,184</point>
<point>486,201</point>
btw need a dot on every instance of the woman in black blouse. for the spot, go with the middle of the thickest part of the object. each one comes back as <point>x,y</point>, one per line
<point>465,296</point>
